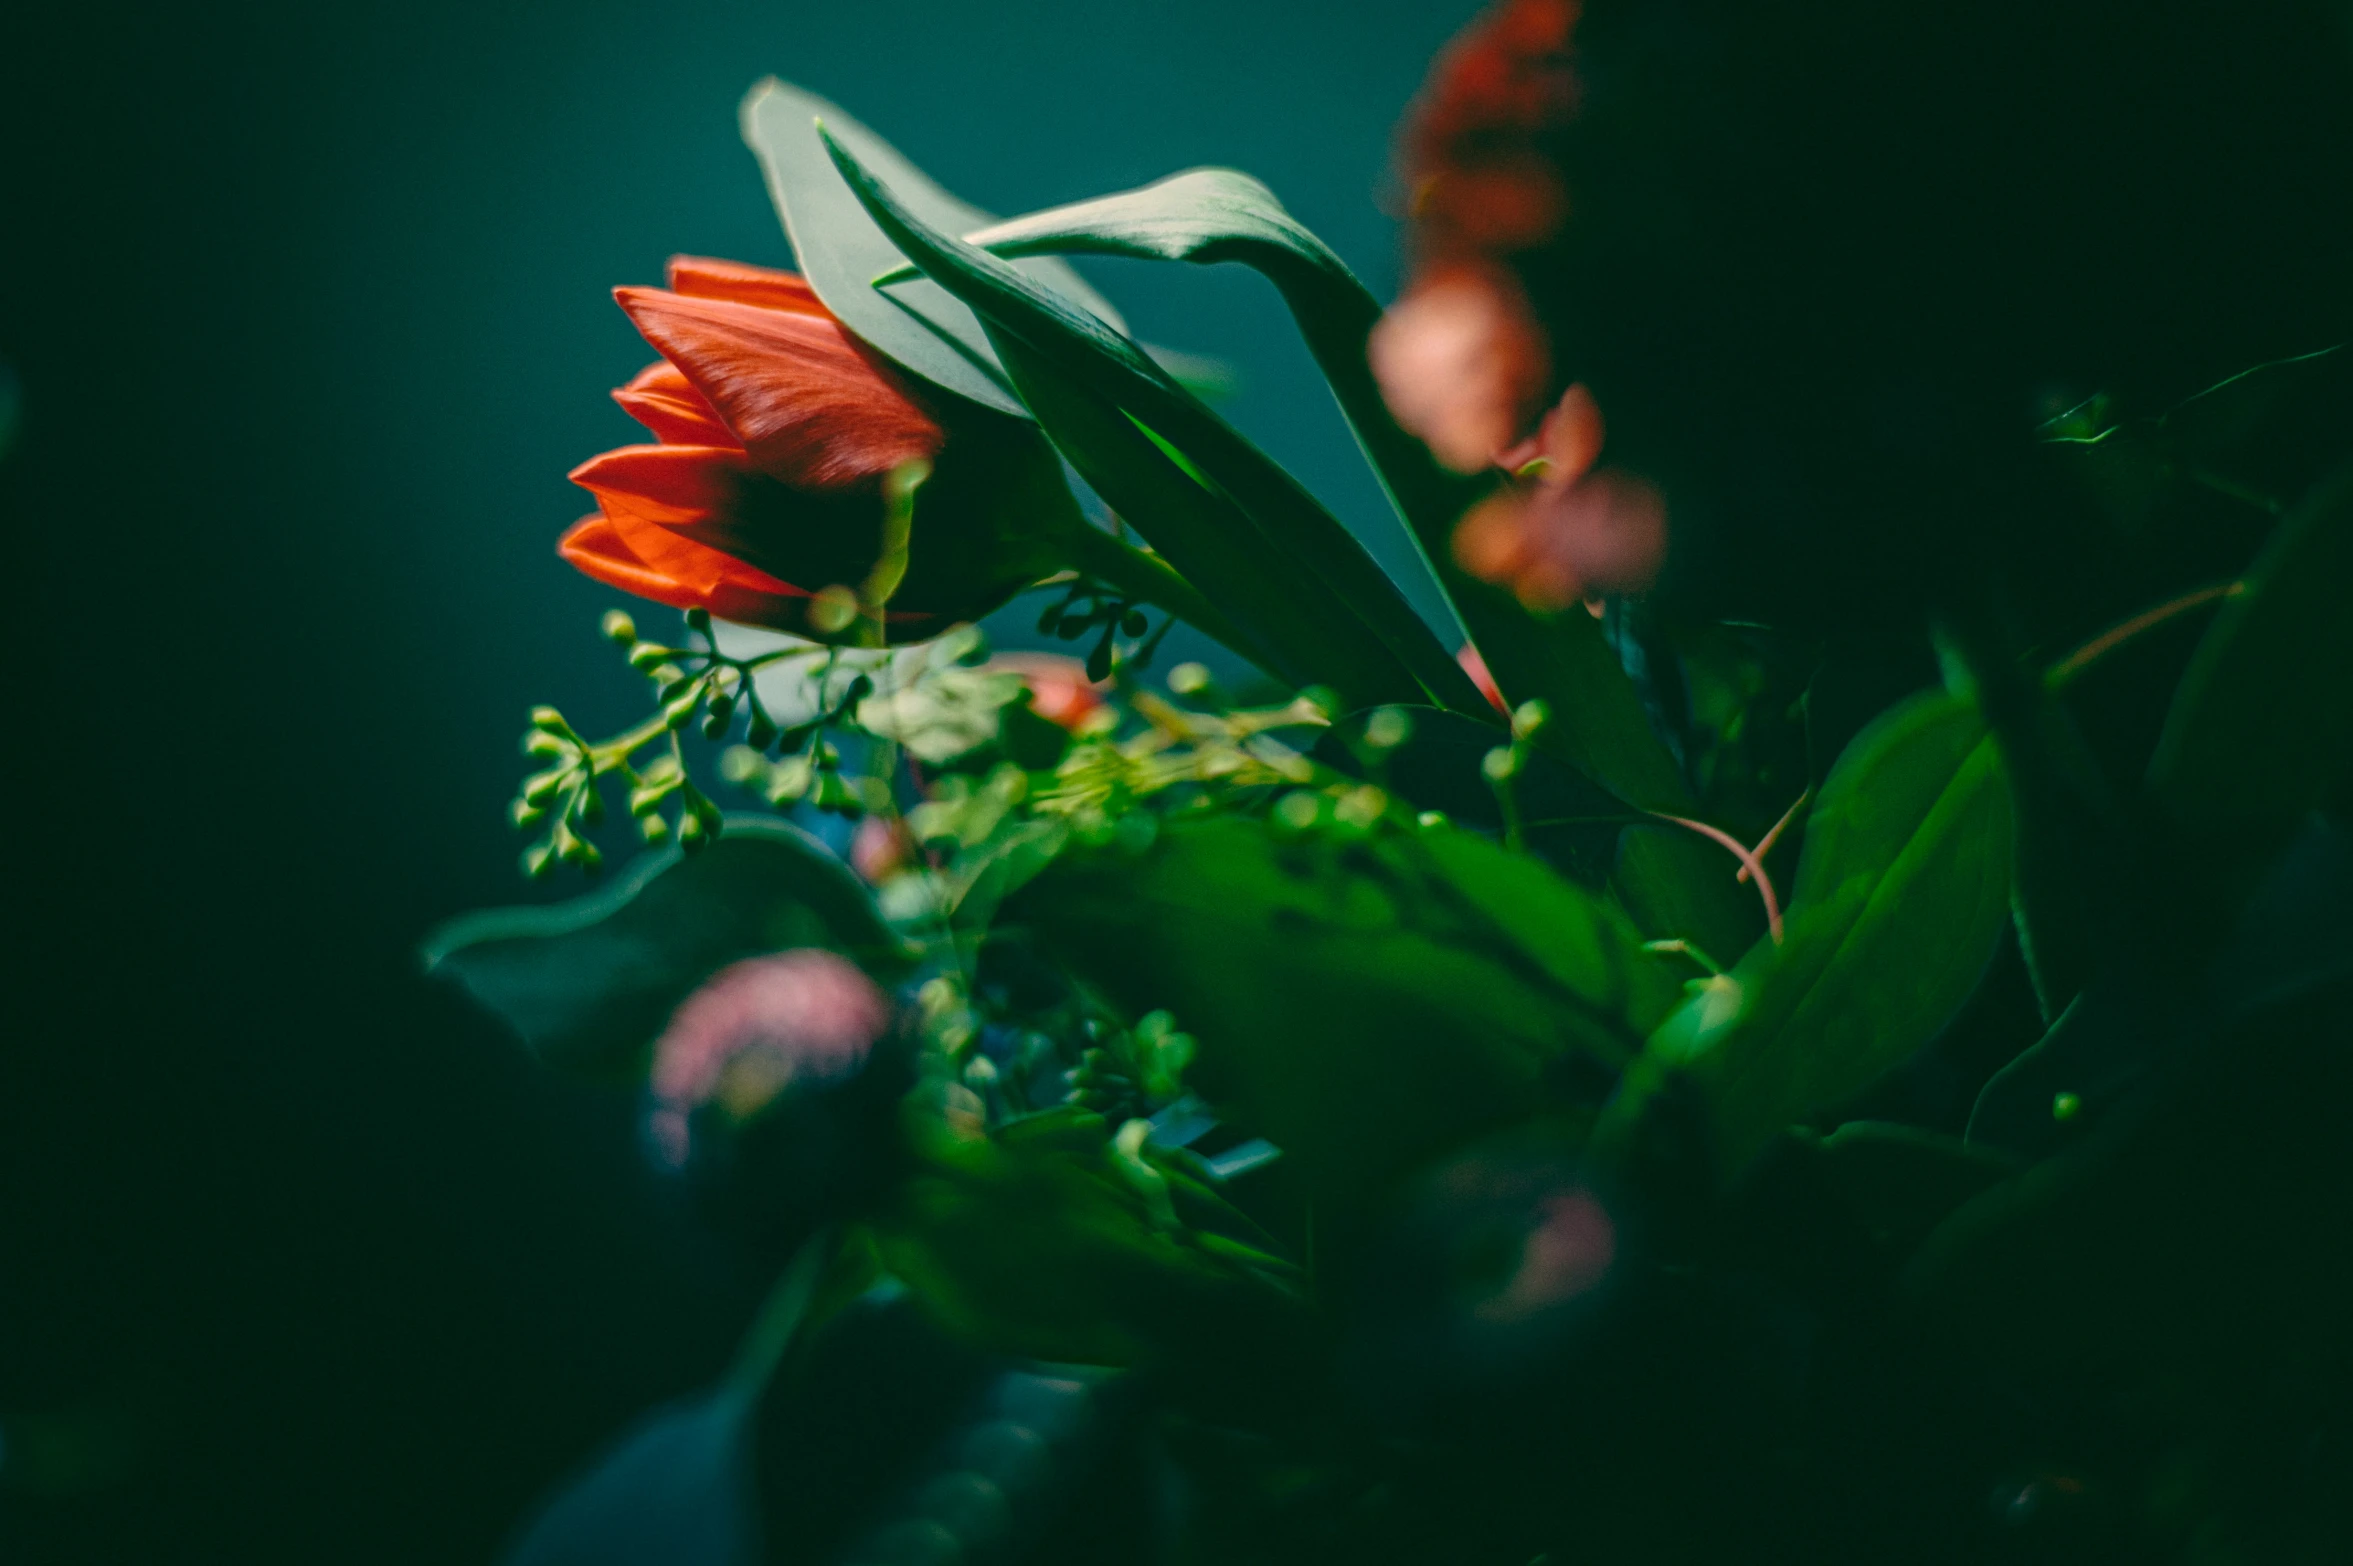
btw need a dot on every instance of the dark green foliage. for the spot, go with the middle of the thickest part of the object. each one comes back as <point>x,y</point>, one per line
<point>588,983</point>
<point>1351,1083</point>
<point>1361,1001</point>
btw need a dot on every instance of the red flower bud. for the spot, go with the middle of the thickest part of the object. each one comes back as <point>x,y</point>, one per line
<point>775,430</point>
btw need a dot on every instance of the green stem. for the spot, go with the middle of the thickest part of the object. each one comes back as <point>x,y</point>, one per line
<point>1148,577</point>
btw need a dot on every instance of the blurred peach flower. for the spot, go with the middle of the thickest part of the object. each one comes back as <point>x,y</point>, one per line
<point>1461,362</point>
<point>1565,529</point>
<point>1059,690</point>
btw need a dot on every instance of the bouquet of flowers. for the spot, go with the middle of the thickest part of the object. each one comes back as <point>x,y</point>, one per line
<point>1611,1077</point>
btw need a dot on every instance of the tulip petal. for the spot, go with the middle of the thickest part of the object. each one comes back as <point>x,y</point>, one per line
<point>808,406</point>
<point>652,497</point>
<point>667,404</point>
<point>702,277</point>
<point>663,484</point>
<point>689,575</point>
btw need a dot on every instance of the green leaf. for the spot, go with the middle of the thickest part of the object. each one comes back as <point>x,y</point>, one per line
<point>1206,216</point>
<point>1034,1244</point>
<point>1901,1181</point>
<point>919,327</point>
<point>2262,726</point>
<point>1900,900</point>
<point>1363,1002</point>
<point>1301,544</point>
<point>589,983</point>
<point>1307,638</point>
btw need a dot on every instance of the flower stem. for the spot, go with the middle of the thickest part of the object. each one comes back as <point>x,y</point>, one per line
<point>1148,577</point>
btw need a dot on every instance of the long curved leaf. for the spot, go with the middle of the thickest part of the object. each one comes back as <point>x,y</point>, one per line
<point>2263,724</point>
<point>1900,900</point>
<point>920,327</point>
<point>1206,216</point>
<point>588,983</point>
<point>1297,537</point>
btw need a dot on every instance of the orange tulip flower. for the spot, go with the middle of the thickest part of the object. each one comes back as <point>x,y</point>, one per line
<point>774,429</point>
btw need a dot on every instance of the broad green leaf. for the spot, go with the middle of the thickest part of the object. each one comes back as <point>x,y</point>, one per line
<point>1207,216</point>
<point>1306,637</point>
<point>588,983</point>
<point>1039,1246</point>
<point>2262,727</point>
<point>1899,902</point>
<point>1212,215</point>
<point>1360,1003</point>
<point>919,327</point>
<point>1304,545</point>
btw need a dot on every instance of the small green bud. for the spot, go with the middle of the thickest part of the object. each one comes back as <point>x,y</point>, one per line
<point>589,807</point>
<point>646,657</point>
<point>2066,1106</point>
<point>618,627</point>
<point>665,675</point>
<point>832,609</point>
<point>549,719</point>
<point>721,704</point>
<point>523,813</point>
<point>789,780</point>
<point>653,828</point>
<point>715,725</point>
<point>538,860</point>
<point>1528,717</point>
<point>691,832</point>
<point>1323,698</point>
<point>677,710</point>
<point>1388,727</point>
<point>1298,810</point>
<point>1099,660</point>
<point>541,787</point>
<point>539,742</point>
<point>1362,806</point>
<point>698,620</point>
<point>1134,623</point>
<point>1188,679</point>
<point>740,764</point>
<point>1501,764</point>
<point>1431,820</point>
<point>760,733</point>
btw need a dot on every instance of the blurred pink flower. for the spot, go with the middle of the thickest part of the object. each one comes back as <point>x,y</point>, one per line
<point>1567,1254</point>
<point>878,849</point>
<point>756,1027</point>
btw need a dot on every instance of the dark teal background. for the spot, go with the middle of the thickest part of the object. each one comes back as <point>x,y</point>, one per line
<point>308,311</point>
